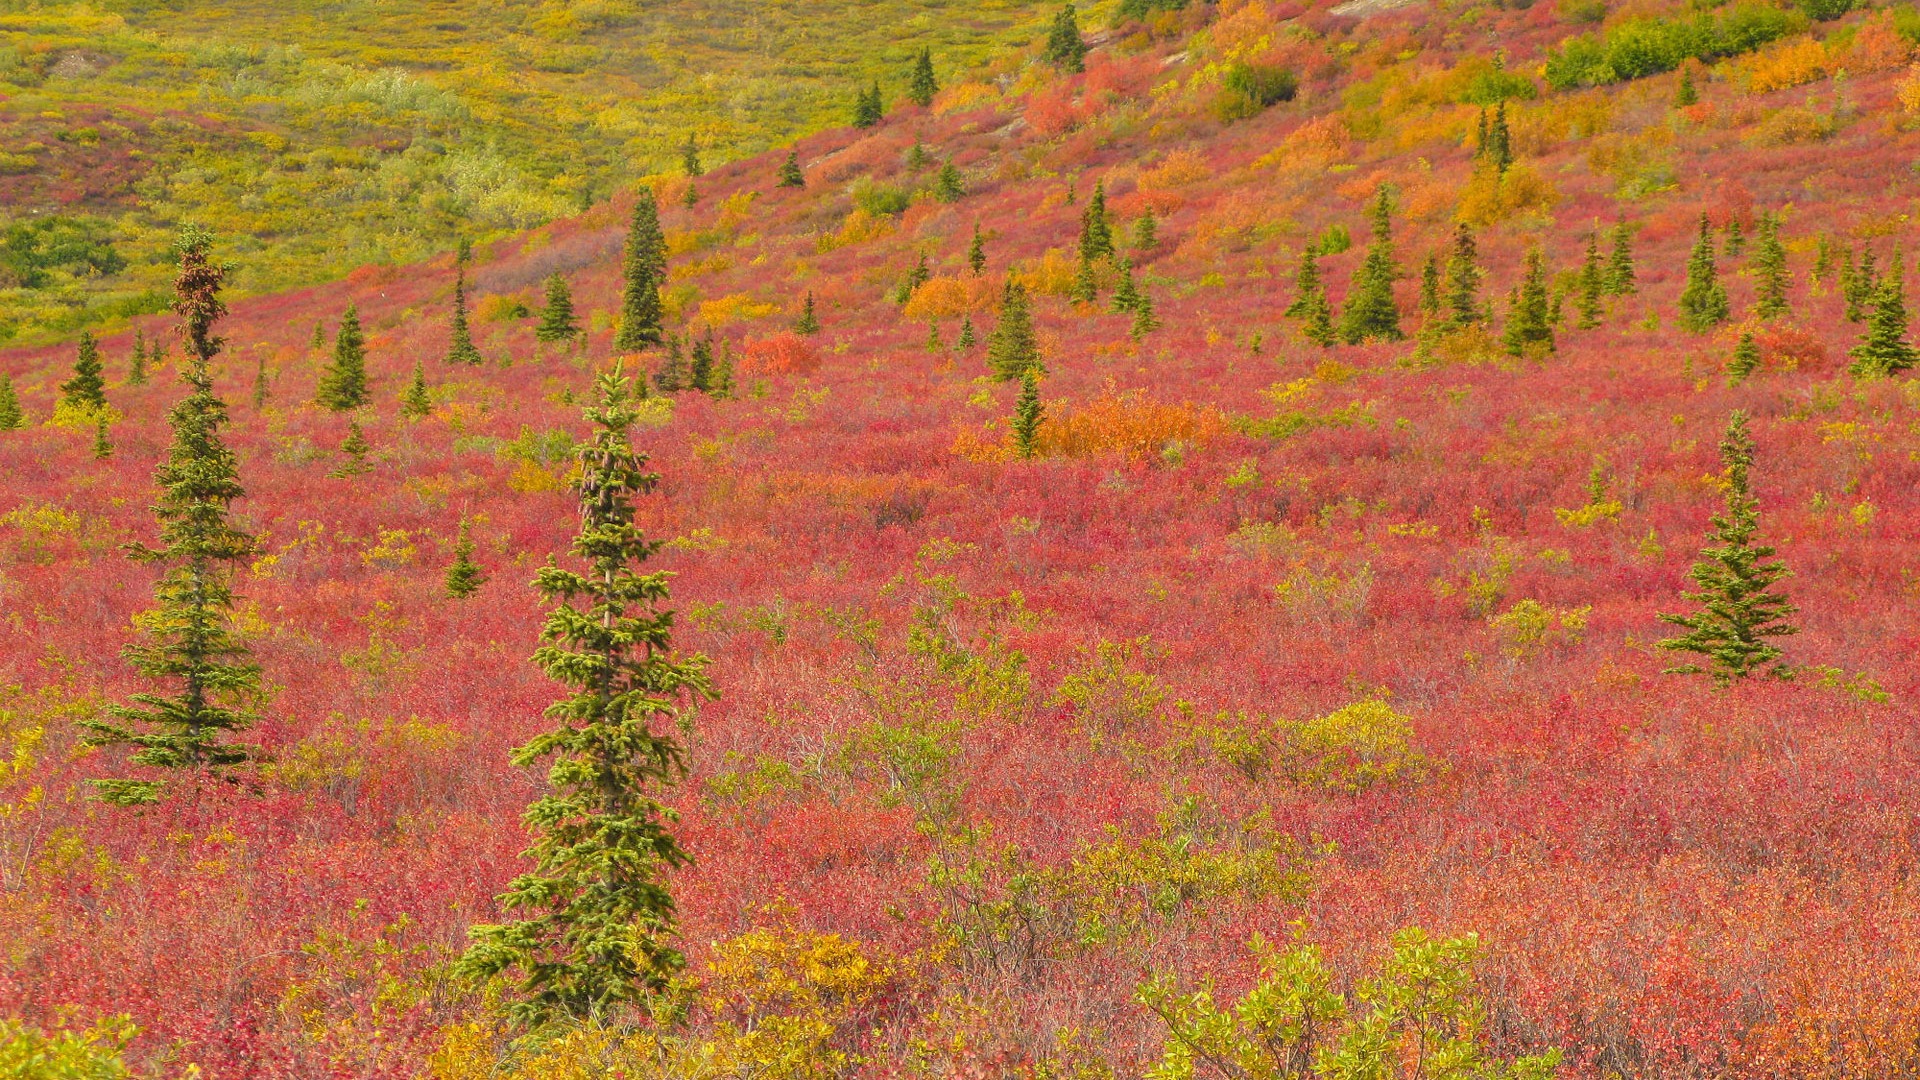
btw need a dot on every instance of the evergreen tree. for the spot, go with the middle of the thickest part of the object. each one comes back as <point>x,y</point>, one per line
<point>934,344</point>
<point>1066,49</point>
<point>977,252</point>
<point>916,156</point>
<point>1085,288</point>
<point>319,340</point>
<point>808,323</point>
<point>1144,320</point>
<point>790,174</point>
<point>691,196</point>
<point>1822,264</point>
<point>1316,322</point>
<point>1371,314</point>
<point>343,384</point>
<point>102,445</point>
<point>921,85</point>
<point>1736,239</point>
<point>1127,297</point>
<point>354,448</point>
<point>1027,414</point>
<point>1703,303</point>
<point>966,340</point>
<point>464,576</point>
<point>1770,271</point>
<point>12,417</point>
<point>700,371</point>
<point>720,383</point>
<point>644,269</point>
<point>919,275</point>
<point>1859,284</point>
<point>690,157</point>
<point>868,109</point>
<point>1497,148</point>
<point>1096,232</point>
<point>137,363</point>
<point>1885,350</point>
<point>1306,282</point>
<point>557,322</point>
<point>1620,277</point>
<point>1146,231</point>
<point>460,348</point>
<point>1593,286</point>
<point>672,376</point>
<point>1528,328</point>
<point>87,390</point>
<point>189,640</point>
<point>1430,287</point>
<point>1746,360</point>
<point>1012,347</point>
<point>414,401</point>
<point>262,389</point>
<point>1740,610</point>
<point>1685,94</point>
<point>1463,279</point>
<point>599,918</point>
<point>948,187</point>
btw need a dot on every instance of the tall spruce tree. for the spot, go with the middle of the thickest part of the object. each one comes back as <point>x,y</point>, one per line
<point>921,85</point>
<point>977,252</point>
<point>1096,230</point>
<point>1497,147</point>
<point>643,268</point>
<point>204,669</point>
<point>1740,610</point>
<point>464,576</point>
<point>1529,326</point>
<point>86,392</point>
<point>1463,279</point>
<point>1430,288</point>
<point>790,174</point>
<point>1146,230</point>
<point>1371,314</point>
<point>343,383</point>
<point>1066,49</point>
<point>460,347</point>
<point>1620,277</point>
<point>599,920</point>
<point>1306,282</point>
<point>700,368</point>
<point>1027,414</point>
<point>137,363</point>
<point>1012,348</point>
<point>1885,350</point>
<point>1703,302</point>
<point>1770,272</point>
<point>12,417</point>
<point>672,376</point>
<point>557,320</point>
<point>1593,286</point>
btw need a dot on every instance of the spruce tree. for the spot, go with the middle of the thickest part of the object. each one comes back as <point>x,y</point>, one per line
<point>808,323</point>
<point>1703,303</point>
<point>1770,272</point>
<point>262,390</point>
<point>1736,239</point>
<point>672,376</point>
<point>1316,322</point>
<point>1096,231</point>
<point>599,925</point>
<point>720,382</point>
<point>354,448</point>
<point>1144,320</point>
<point>948,187</point>
<point>1620,277</point>
<point>790,174</point>
<point>1885,350</point>
<point>1529,330</point>
<point>1860,284</point>
<point>102,445</point>
<point>1685,94</point>
<point>921,85</point>
<point>690,157</point>
<point>557,321</point>
<point>868,109</point>
<point>700,371</point>
<point>1086,289</point>
<point>1463,279</point>
<point>1012,347</point>
<point>1126,297</point>
<point>190,645</point>
<point>977,252</point>
<point>343,384</point>
<point>1371,314</point>
<point>1066,49</point>
<point>1746,360</point>
<point>1430,287</point>
<point>967,339</point>
<point>460,347</point>
<point>1027,414</point>
<point>319,339</point>
<point>934,344</point>
<point>1146,231</point>
<point>12,417</point>
<point>1498,149</point>
<point>86,392</point>
<point>691,196</point>
<point>1306,282</point>
<point>464,576</point>
<point>1739,608</point>
<point>919,275</point>
<point>1593,286</point>
<point>643,268</point>
<point>137,363</point>
<point>415,403</point>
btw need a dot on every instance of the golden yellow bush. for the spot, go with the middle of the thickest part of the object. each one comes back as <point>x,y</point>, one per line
<point>732,307</point>
<point>1129,424</point>
<point>1491,197</point>
<point>1790,63</point>
<point>1160,185</point>
<point>963,96</point>
<point>941,298</point>
<point>1909,90</point>
<point>1051,275</point>
<point>858,227</point>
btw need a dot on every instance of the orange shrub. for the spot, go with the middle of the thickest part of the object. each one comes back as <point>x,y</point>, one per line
<point>1051,111</point>
<point>1788,64</point>
<point>1158,185</point>
<point>1129,424</point>
<point>942,298</point>
<point>781,354</point>
<point>1879,46</point>
<point>1050,275</point>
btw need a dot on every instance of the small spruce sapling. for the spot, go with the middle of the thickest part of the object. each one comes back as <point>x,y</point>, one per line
<point>343,384</point>
<point>1096,230</point>
<point>1745,361</point>
<point>262,386</point>
<point>921,84</point>
<point>1146,231</point>
<point>1703,302</point>
<point>460,347</point>
<point>948,187</point>
<point>977,252</point>
<point>790,174</point>
<point>415,404</point>
<point>354,448</point>
<point>1463,280</point>
<point>557,320</point>
<point>1066,49</point>
<point>1885,351</point>
<point>86,392</point>
<point>12,417</point>
<point>464,576</point>
<point>1027,415</point>
<point>690,157</point>
<point>137,363</point>
<point>1770,272</point>
<point>1012,347</point>
<point>102,444</point>
<point>1620,276</point>
<point>808,323</point>
<point>1529,327</point>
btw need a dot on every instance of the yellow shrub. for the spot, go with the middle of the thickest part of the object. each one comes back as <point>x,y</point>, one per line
<point>1909,90</point>
<point>1529,627</point>
<point>941,298</point>
<point>1491,197</point>
<point>1052,275</point>
<point>964,96</point>
<point>859,227</point>
<point>1160,185</point>
<point>1789,64</point>
<point>1129,424</point>
<point>1350,750</point>
<point>734,306</point>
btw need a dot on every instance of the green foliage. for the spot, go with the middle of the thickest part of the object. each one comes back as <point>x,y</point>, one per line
<point>460,347</point>
<point>1463,279</point>
<point>1770,272</point>
<point>1529,331</point>
<point>137,363</point>
<point>12,417</point>
<point>1646,46</point>
<point>343,384</point>
<point>1859,284</point>
<point>27,1053</point>
<point>1096,230</point>
<point>1248,89</point>
<point>1086,288</point>
<point>1027,414</point>
<point>1146,230</point>
<point>464,576</point>
<point>808,322</point>
<point>1495,142</point>
<point>1739,609</point>
<point>414,400</point>
<point>86,392</point>
<point>673,375</point>
<point>1419,1018</point>
<point>102,445</point>
<point>868,109</point>
<point>557,320</point>
<point>354,448</point>
<point>790,174</point>
<point>1620,276</point>
<point>1745,360</point>
<point>1066,49</point>
<point>881,200</point>
<point>38,251</point>
<point>189,635</point>
<point>967,338</point>
<point>1703,302</point>
<point>1885,350</point>
<point>1371,314</point>
<point>921,85</point>
<point>1144,320</point>
<point>1012,348</point>
<point>1593,286</point>
<point>643,270</point>
<point>977,252</point>
<point>690,157</point>
<point>596,936</point>
<point>1685,94</point>
<point>947,186</point>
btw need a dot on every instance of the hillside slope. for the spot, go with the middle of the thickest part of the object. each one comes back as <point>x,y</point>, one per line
<point>1269,638</point>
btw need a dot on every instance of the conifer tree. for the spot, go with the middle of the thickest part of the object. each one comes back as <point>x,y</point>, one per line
<point>102,445</point>
<point>262,389</point>
<point>790,174</point>
<point>948,187</point>
<point>464,576</point>
<point>1027,414</point>
<point>557,321</point>
<point>691,196</point>
<point>1859,284</point>
<point>916,156</point>
<point>1371,314</point>
<point>343,384</point>
<point>690,157</point>
<point>319,340</point>
<point>1620,277</point>
<point>1703,303</point>
<point>1736,238</point>
<point>1066,49</point>
<point>921,85</point>
<point>137,363</point>
<point>354,448</point>
<point>868,109</point>
<point>1127,296</point>
<point>1146,231</point>
<point>1463,279</point>
<point>86,392</point>
<point>1012,347</point>
<point>1096,232</point>
<point>460,347</point>
<point>1529,330</point>
<point>1306,282</point>
<point>967,339</point>
<point>808,323</point>
<point>189,641</point>
<point>672,376</point>
<point>934,344</point>
<point>1085,288</point>
<point>1430,287</point>
<point>1740,609</point>
<point>1770,271</point>
<point>1885,350</point>
<point>643,268</point>
<point>414,400</point>
<point>1316,322</point>
<point>1593,286</point>
<point>12,417</point>
<point>599,919</point>
<point>720,383</point>
<point>1746,360</point>
<point>1498,146</point>
<point>1685,94</point>
<point>700,371</point>
<point>1144,320</point>
<point>1822,264</point>
<point>919,275</point>
<point>977,252</point>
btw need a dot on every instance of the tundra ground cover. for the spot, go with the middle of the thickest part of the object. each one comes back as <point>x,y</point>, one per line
<point>1270,635</point>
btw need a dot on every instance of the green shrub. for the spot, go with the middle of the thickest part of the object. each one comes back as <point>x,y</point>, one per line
<point>27,1053</point>
<point>1641,47</point>
<point>1248,89</point>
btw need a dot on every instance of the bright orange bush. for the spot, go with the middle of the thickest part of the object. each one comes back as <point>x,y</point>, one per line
<point>1129,424</point>
<point>781,354</point>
